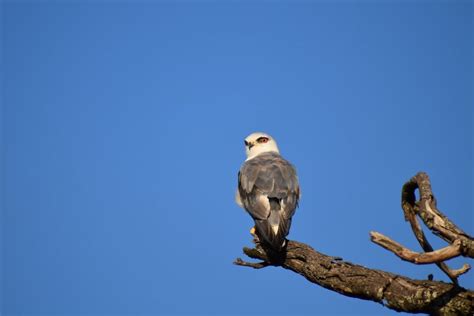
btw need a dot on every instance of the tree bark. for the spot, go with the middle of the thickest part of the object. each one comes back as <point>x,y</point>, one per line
<point>396,292</point>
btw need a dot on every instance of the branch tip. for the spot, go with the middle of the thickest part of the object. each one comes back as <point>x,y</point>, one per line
<point>255,265</point>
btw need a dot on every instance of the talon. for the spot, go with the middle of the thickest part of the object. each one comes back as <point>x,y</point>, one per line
<point>252,231</point>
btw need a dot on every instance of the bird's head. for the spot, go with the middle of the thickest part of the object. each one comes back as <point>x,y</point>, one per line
<point>257,143</point>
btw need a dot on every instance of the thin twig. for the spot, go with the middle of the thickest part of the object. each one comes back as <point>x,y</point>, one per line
<point>255,265</point>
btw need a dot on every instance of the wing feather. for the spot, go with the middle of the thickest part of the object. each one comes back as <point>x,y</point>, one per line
<point>269,176</point>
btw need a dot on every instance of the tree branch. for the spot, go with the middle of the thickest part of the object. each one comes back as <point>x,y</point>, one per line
<point>436,221</point>
<point>255,265</point>
<point>393,291</point>
<point>396,292</point>
<point>449,252</point>
<point>461,243</point>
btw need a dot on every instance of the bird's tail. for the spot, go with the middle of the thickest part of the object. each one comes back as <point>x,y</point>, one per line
<point>275,228</point>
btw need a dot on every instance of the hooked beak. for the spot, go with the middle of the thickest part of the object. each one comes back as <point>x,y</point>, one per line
<point>249,144</point>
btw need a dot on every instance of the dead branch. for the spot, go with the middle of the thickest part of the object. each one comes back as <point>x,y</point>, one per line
<point>396,292</point>
<point>461,244</point>
<point>449,252</point>
<point>393,291</point>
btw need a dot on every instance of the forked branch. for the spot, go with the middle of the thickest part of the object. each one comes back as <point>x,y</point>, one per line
<point>461,244</point>
<point>396,292</point>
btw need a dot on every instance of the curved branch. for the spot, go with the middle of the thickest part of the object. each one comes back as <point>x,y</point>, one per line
<point>393,291</point>
<point>446,253</point>
<point>461,243</point>
<point>436,221</point>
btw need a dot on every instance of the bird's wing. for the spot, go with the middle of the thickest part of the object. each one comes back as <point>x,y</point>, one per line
<point>269,176</point>
<point>237,198</point>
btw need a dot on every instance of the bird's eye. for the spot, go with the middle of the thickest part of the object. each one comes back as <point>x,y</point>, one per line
<point>262,140</point>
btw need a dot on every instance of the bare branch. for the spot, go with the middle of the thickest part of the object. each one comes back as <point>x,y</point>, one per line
<point>396,292</point>
<point>451,251</point>
<point>255,265</point>
<point>461,243</point>
<point>436,221</point>
<point>393,291</point>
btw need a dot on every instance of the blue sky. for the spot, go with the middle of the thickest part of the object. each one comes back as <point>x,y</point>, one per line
<point>122,134</point>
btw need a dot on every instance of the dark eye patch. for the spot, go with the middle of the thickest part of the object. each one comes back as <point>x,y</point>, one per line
<point>262,139</point>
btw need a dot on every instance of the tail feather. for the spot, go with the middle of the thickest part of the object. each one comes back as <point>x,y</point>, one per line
<point>273,230</point>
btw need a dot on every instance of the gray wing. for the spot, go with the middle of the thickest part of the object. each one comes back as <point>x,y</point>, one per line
<point>269,191</point>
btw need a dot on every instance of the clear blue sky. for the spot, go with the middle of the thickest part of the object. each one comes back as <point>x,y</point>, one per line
<point>123,127</point>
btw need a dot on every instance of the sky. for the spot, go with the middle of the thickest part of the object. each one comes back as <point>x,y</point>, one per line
<point>122,134</point>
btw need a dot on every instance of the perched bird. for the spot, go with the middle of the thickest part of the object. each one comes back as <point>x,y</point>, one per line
<point>268,190</point>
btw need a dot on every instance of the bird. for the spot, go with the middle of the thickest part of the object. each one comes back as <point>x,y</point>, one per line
<point>268,189</point>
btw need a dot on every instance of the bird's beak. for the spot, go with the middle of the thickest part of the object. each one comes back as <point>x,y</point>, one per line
<point>250,145</point>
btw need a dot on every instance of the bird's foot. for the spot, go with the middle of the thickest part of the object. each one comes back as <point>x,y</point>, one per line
<point>254,235</point>
<point>252,231</point>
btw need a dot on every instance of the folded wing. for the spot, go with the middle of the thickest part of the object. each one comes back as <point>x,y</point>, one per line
<point>269,191</point>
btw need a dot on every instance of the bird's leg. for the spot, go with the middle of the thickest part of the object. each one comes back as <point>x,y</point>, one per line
<point>254,235</point>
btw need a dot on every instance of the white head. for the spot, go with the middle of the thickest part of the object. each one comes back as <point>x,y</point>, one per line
<point>258,143</point>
